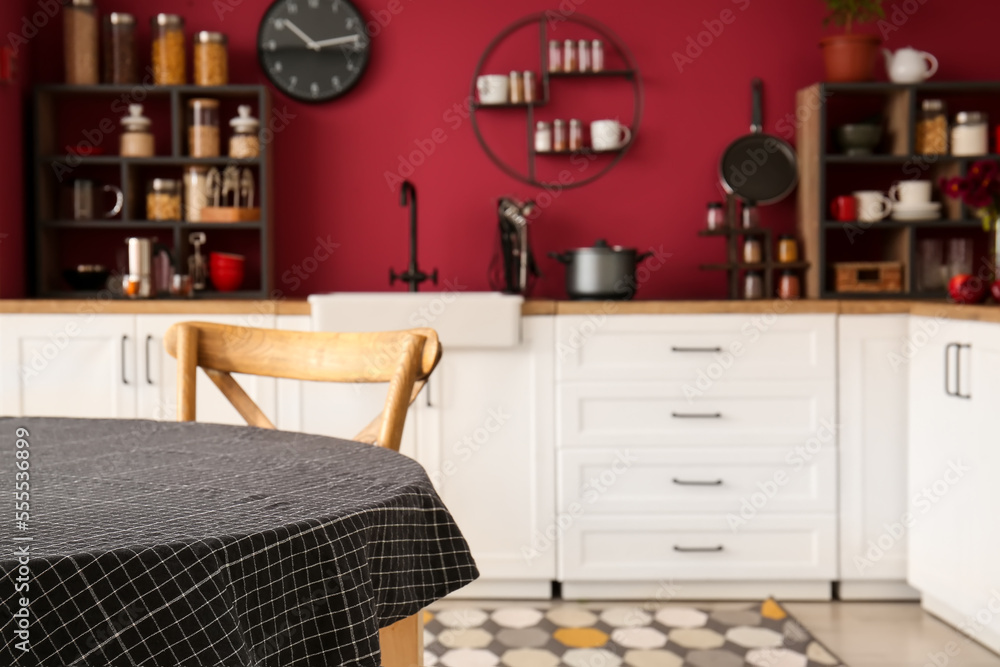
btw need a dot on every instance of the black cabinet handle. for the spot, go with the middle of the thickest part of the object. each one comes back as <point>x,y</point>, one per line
<point>149,378</point>
<point>958,371</point>
<point>124,343</point>
<point>693,415</point>
<point>691,550</point>
<point>695,482</point>
<point>947,367</point>
<point>427,391</point>
<point>696,349</point>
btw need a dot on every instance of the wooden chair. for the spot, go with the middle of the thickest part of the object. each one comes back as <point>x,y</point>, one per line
<point>403,359</point>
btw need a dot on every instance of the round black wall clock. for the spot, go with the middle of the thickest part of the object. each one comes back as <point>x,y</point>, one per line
<point>313,50</point>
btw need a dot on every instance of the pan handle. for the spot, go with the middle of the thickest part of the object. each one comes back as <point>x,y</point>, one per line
<point>757,126</point>
<point>559,257</point>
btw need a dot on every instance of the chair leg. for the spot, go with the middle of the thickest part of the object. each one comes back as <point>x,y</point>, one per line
<point>403,642</point>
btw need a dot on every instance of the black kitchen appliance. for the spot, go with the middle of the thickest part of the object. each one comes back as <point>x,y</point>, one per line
<point>513,269</point>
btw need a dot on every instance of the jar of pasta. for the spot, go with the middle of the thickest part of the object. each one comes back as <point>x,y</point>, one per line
<point>203,128</point>
<point>163,199</point>
<point>245,142</point>
<point>211,59</point>
<point>168,50</point>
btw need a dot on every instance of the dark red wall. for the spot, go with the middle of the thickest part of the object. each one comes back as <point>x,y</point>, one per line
<point>332,159</point>
<point>12,251</point>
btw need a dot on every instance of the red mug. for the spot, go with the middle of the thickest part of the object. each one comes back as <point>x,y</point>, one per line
<point>844,208</point>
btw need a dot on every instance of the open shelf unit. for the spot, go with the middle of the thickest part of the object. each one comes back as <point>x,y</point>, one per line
<point>735,267</point>
<point>57,163</point>
<point>544,87</point>
<point>822,168</point>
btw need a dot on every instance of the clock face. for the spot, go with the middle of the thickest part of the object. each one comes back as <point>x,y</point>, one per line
<point>313,50</point>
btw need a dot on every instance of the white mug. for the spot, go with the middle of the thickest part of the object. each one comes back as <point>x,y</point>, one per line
<point>608,135</point>
<point>493,88</point>
<point>872,205</point>
<point>911,192</point>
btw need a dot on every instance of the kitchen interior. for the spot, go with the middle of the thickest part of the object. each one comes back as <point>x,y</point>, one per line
<point>716,285</point>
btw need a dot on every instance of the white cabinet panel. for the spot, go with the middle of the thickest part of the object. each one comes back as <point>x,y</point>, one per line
<point>74,365</point>
<point>595,414</point>
<point>696,349</point>
<point>157,373</point>
<point>700,547</point>
<point>743,482</point>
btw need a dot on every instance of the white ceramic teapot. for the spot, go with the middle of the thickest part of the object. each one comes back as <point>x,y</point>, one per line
<point>908,65</point>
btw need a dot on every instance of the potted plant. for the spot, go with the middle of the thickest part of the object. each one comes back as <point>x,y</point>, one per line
<point>851,56</point>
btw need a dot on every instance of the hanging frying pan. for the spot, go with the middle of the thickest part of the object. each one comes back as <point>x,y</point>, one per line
<point>758,167</point>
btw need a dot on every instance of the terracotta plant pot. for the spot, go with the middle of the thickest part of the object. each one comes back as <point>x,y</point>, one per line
<point>850,58</point>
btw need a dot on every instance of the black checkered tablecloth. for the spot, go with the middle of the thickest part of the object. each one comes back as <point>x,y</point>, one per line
<point>197,545</point>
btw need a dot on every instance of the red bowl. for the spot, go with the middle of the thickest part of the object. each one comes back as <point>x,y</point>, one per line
<point>227,281</point>
<point>225,260</point>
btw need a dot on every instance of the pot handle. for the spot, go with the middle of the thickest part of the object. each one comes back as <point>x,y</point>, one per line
<point>559,257</point>
<point>643,256</point>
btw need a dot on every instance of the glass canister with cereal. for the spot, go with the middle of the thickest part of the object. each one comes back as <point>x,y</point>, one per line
<point>932,128</point>
<point>169,64</point>
<point>80,42</point>
<point>163,199</point>
<point>211,59</point>
<point>245,142</point>
<point>203,128</point>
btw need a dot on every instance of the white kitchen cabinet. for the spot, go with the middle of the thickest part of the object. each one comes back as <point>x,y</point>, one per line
<point>873,398</point>
<point>157,373</point>
<point>68,365</point>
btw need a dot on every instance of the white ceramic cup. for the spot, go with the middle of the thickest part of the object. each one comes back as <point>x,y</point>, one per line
<point>493,88</point>
<point>608,135</point>
<point>872,205</point>
<point>911,192</point>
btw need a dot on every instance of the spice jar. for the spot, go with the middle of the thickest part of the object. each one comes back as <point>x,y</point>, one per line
<point>203,133</point>
<point>196,192</point>
<point>559,144</point>
<point>163,199</point>
<point>245,142</point>
<point>970,135</point>
<point>752,253</point>
<point>529,86</point>
<point>569,56</point>
<point>583,55</point>
<point>168,50</point>
<point>597,55</point>
<point>137,139</point>
<point>753,285</point>
<point>932,129</point>
<point>716,215</point>
<point>575,135</point>
<point>555,56</point>
<point>80,42</point>
<point>751,216</point>
<point>543,137</point>
<point>789,287</point>
<point>211,59</point>
<point>516,88</point>
<point>788,249</point>
<point>120,60</point>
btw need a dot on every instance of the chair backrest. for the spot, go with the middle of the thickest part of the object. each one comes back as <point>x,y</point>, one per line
<point>403,359</point>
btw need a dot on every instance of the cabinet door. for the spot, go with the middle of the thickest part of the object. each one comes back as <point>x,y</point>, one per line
<point>157,373</point>
<point>74,365</point>
<point>874,381</point>
<point>486,441</point>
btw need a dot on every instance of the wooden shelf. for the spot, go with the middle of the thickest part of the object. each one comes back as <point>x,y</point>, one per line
<point>508,105</point>
<point>156,161</point>
<point>763,266</point>
<point>237,90</point>
<point>907,224</point>
<point>731,231</point>
<point>582,151</point>
<point>147,224</point>
<point>838,158</point>
<point>626,73</point>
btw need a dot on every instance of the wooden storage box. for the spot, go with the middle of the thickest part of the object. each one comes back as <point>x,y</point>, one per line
<point>861,277</point>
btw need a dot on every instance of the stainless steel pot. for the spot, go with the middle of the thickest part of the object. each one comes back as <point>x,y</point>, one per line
<point>601,272</point>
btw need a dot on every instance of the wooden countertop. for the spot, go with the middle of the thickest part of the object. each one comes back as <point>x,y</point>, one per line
<point>988,313</point>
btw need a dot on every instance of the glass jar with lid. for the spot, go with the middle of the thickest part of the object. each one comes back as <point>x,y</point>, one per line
<point>575,135</point>
<point>716,216</point>
<point>80,43</point>
<point>753,285</point>
<point>970,135</point>
<point>555,56</point>
<point>543,137</point>
<point>137,137</point>
<point>752,252</point>
<point>932,128</point>
<point>121,65</point>
<point>788,249</point>
<point>245,142</point>
<point>569,56</point>
<point>211,59</point>
<point>169,64</point>
<point>559,144</point>
<point>196,192</point>
<point>163,199</point>
<point>789,287</point>
<point>203,129</point>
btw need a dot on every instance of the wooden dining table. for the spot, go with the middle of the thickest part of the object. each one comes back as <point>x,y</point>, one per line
<point>164,544</point>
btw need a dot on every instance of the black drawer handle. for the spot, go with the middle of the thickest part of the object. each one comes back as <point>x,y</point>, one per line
<point>695,482</point>
<point>124,344</point>
<point>691,550</point>
<point>696,349</point>
<point>703,415</point>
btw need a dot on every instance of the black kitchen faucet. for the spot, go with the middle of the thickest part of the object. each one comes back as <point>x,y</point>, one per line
<point>413,275</point>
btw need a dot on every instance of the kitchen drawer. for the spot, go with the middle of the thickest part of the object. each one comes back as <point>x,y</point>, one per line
<point>743,481</point>
<point>699,547</point>
<point>617,414</point>
<point>693,348</point>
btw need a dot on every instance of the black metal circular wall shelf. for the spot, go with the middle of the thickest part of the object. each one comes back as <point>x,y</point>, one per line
<point>630,72</point>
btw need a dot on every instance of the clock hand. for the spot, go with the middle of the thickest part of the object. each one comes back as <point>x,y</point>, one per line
<point>304,37</point>
<point>337,41</point>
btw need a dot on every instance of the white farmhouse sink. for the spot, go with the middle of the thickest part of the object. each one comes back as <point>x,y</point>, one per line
<point>462,319</point>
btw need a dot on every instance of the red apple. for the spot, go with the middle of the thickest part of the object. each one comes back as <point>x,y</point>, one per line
<point>966,289</point>
<point>995,289</point>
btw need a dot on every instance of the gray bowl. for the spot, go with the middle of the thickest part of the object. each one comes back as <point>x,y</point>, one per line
<point>859,138</point>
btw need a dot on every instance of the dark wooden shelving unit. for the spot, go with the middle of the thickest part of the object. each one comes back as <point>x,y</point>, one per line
<point>47,178</point>
<point>893,240</point>
<point>735,267</point>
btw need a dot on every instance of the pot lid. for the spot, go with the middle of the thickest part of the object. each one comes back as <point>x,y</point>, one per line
<point>601,247</point>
